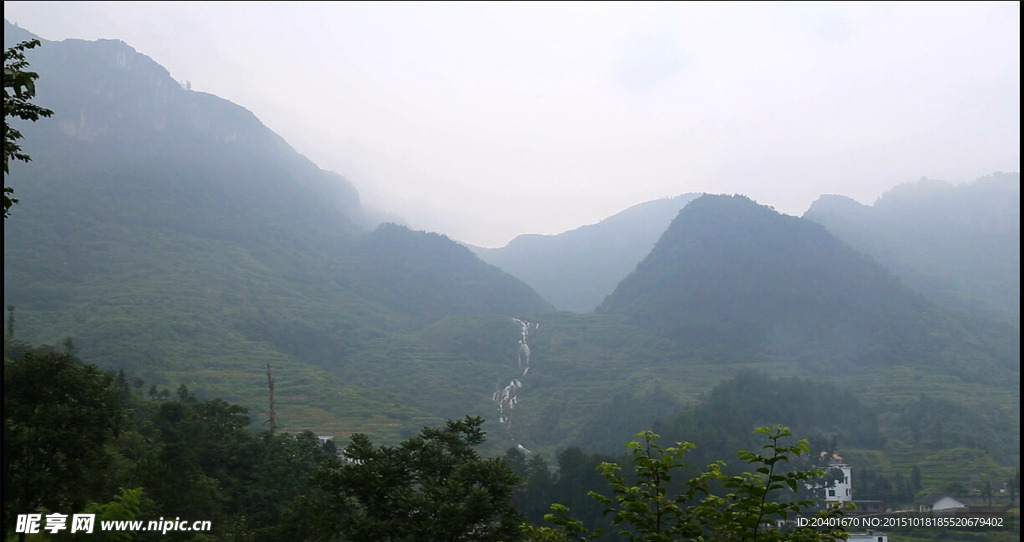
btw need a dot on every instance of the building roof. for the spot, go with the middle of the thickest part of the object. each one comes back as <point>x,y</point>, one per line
<point>932,498</point>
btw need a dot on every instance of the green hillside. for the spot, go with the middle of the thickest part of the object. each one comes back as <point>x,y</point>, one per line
<point>172,235</point>
<point>176,237</point>
<point>733,278</point>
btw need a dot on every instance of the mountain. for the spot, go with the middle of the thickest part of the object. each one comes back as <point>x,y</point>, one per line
<point>173,235</point>
<point>577,269</point>
<point>957,244</point>
<point>429,276</point>
<point>731,278</point>
<point>734,284</point>
<point>115,107</point>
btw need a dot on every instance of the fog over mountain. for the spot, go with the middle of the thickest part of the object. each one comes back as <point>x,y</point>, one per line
<point>171,234</point>
<point>731,274</point>
<point>958,244</point>
<point>489,121</point>
<point>577,269</point>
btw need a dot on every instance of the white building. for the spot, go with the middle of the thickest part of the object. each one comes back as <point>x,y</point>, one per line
<point>841,493</point>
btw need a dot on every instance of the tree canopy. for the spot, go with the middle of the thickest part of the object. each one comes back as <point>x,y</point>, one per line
<point>431,487</point>
<point>58,415</point>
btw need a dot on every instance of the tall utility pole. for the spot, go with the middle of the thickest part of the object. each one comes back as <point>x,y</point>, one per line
<point>270,384</point>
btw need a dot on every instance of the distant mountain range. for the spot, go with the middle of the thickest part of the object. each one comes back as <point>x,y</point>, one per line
<point>738,279</point>
<point>174,236</point>
<point>575,270</point>
<point>957,244</point>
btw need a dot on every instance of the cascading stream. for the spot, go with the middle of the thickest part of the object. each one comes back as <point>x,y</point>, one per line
<point>508,396</point>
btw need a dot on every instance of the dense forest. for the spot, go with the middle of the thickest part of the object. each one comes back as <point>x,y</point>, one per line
<point>107,444</point>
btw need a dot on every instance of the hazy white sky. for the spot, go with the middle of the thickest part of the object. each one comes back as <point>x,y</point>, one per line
<point>487,120</point>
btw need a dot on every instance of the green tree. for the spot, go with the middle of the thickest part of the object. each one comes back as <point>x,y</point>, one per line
<point>58,416</point>
<point>19,89</point>
<point>202,460</point>
<point>281,475</point>
<point>125,507</point>
<point>903,488</point>
<point>711,506</point>
<point>432,487</point>
<point>915,479</point>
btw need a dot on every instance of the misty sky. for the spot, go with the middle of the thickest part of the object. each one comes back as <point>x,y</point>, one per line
<point>487,120</point>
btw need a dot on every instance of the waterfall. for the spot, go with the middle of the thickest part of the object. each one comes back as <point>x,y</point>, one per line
<point>507,395</point>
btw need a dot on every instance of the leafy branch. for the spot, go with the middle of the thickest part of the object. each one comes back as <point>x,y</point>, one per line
<point>757,505</point>
<point>19,89</point>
